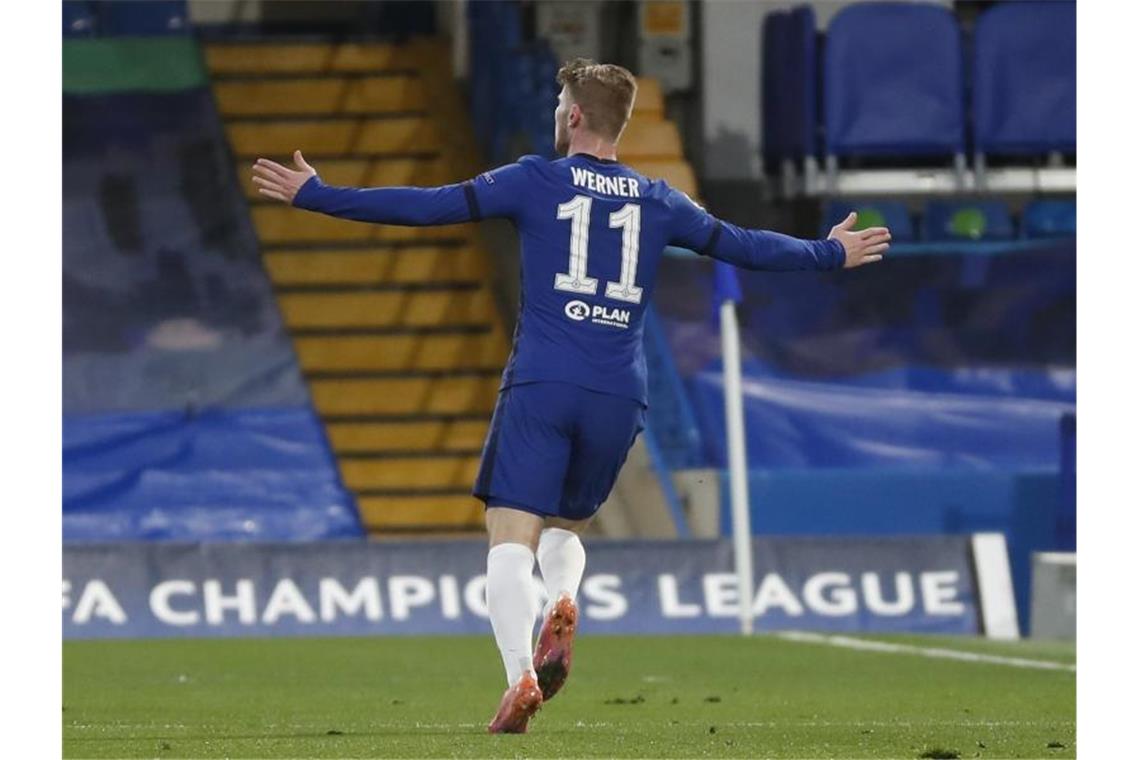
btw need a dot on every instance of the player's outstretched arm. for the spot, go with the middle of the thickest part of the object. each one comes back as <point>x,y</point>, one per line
<point>411,206</point>
<point>695,228</point>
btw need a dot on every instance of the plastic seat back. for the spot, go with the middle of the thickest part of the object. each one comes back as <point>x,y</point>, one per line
<point>892,80</point>
<point>1025,78</point>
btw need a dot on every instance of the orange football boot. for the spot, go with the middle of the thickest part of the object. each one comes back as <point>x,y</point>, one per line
<point>555,646</point>
<point>520,703</point>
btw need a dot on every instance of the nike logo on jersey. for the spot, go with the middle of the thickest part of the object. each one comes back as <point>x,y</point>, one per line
<point>625,187</point>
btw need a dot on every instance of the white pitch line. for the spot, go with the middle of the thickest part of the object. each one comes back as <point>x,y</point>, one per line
<point>867,645</point>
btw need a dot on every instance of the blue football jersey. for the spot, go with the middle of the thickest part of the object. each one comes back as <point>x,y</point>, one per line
<point>592,233</point>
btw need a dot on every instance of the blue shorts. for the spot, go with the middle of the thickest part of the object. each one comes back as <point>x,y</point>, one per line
<point>555,449</point>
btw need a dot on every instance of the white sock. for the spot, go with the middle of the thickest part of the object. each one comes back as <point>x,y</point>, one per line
<point>562,560</point>
<point>511,604</point>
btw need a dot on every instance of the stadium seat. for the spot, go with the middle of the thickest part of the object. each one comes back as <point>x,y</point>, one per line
<point>1049,219</point>
<point>789,85</point>
<point>892,80</point>
<point>774,35</point>
<point>1025,83</point>
<point>872,213</point>
<point>967,220</point>
<point>149,19</point>
<point>79,19</point>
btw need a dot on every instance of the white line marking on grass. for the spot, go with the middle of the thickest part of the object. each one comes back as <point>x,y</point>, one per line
<point>893,724</point>
<point>868,645</point>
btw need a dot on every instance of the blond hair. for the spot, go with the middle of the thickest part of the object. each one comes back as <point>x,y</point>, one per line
<point>604,91</point>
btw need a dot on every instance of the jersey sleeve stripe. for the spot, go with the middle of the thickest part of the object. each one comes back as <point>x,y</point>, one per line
<point>711,244</point>
<point>472,201</point>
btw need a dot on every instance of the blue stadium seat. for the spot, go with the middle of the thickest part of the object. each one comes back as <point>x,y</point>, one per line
<point>774,39</point>
<point>967,220</point>
<point>789,85</point>
<point>872,213</point>
<point>1025,79</point>
<point>1049,219</point>
<point>79,19</point>
<point>152,18</point>
<point>892,79</point>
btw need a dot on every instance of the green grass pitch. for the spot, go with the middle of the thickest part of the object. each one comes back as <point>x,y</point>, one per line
<point>627,697</point>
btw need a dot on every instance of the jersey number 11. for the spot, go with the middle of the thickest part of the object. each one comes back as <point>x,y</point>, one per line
<point>628,219</point>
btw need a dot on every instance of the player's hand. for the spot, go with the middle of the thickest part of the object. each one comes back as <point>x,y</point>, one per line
<point>862,246</point>
<point>280,182</point>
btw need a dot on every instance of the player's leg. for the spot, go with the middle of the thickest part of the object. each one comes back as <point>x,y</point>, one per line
<point>562,561</point>
<point>561,558</point>
<point>511,603</point>
<point>524,463</point>
<point>605,428</point>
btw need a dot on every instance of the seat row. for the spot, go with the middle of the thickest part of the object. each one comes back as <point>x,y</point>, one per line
<point>903,81</point>
<point>978,219</point>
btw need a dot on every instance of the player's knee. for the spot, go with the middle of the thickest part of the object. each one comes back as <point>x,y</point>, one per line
<point>513,526</point>
<point>576,526</point>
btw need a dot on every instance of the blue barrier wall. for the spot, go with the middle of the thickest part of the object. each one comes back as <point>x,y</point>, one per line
<point>926,394</point>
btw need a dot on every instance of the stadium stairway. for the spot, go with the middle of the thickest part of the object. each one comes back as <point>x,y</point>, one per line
<point>395,328</point>
<point>651,143</point>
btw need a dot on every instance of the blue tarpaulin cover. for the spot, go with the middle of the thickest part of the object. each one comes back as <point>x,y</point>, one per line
<point>185,414</point>
<point>258,474</point>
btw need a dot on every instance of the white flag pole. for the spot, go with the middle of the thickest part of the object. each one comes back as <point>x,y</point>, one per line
<point>737,459</point>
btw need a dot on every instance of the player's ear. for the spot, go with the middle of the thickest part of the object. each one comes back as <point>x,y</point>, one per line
<point>575,115</point>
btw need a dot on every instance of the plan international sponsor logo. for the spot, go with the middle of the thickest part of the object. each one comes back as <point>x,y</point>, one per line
<point>599,315</point>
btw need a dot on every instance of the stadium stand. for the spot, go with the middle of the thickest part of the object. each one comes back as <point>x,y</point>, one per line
<point>513,95</point>
<point>185,415</point>
<point>395,328</point>
<point>893,117</point>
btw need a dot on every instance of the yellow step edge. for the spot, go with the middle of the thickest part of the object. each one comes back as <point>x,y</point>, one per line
<point>320,96</point>
<point>396,512</point>
<point>422,264</point>
<point>409,473</point>
<point>447,395</point>
<point>394,353</point>
<point>409,134</point>
<point>434,435</point>
<point>388,309</point>
<point>225,58</point>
